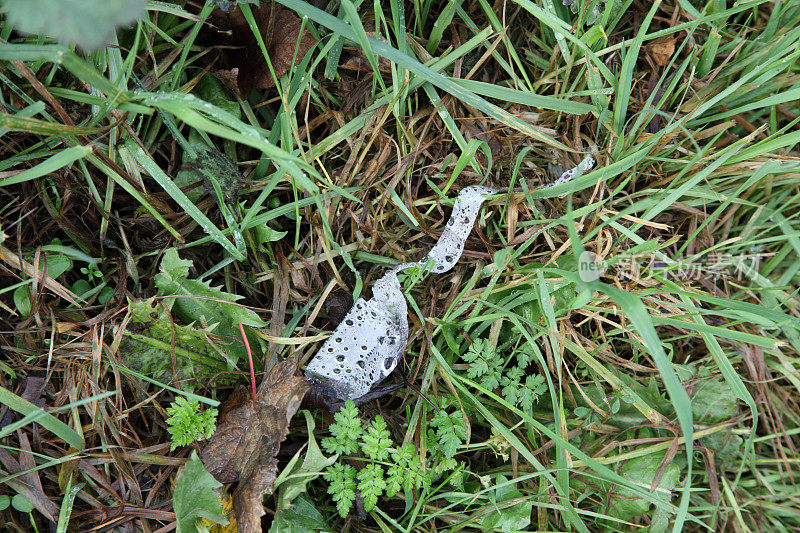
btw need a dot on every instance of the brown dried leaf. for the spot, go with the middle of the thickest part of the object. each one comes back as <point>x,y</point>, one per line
<point>249,436</point>
<point>360,63</point>
<point>337,305</point>
<point>34,387</point>
<point>229,79</point>
<point>661,50</point>
<point>280,29</point>
<point>27,484</point>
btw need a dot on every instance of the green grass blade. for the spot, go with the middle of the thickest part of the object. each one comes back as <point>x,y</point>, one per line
<point>187,205</point>
<point>55,162</point>
<point>41,417</point>
<point>412,65</point>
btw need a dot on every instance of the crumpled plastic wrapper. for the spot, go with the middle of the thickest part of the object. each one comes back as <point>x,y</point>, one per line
<point>369,342</point>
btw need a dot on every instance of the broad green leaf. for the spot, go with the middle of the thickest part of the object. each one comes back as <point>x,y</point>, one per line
<point>301,517</point>
<point>713,400</point>
<point>57,264</point>
<point>508,516</point>
<point>152,338</point>
<point>22,300</point>
<point>87,23</point>
<point>211,90</point>
<point>292,481</point>
<point>21,503</point>
<point>199,302</point>
<point>195,496</point>
<point>625,503</point>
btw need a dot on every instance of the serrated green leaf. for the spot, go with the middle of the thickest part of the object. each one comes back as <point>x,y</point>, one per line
<point>173,265</point>
<point>152,338</point>
<point>212,165</point>
<point>199,301</point>
<point>87,23</point>
<point>195,496</point>
<point>265,234</point>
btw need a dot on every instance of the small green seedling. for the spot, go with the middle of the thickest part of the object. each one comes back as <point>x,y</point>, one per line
<point>21,503</point>
<point>390,467</point>
<point>187,423</point>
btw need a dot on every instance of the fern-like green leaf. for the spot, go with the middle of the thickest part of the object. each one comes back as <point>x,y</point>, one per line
<point>341,486</point>
<point>406,472</point>
<point>345,431</point>
<point>187,423</point>
<point>485,364</point>
<point>519,392</point>
<point>375,440</point>
<point>371,484</point>
<point>450,431</point>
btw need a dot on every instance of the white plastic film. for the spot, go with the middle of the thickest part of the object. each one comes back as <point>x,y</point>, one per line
<point>369,342</point>
<point>585,165</point>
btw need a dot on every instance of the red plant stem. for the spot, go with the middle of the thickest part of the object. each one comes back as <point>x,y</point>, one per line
<point>250,359</point>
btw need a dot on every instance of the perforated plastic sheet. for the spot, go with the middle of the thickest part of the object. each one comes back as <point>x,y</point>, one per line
<point>369,342</point>
<point>585,165</point>
<point>448,248</point>
<point>366,345</point>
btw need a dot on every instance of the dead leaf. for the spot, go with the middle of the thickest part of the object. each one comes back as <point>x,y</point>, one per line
<point>248,438</point>
<point>29,483</point>
<point>280,30</point>
<point>359,62</point>
<point>337,305</point>
<point>661,50</point>
<point>34,387</point>
<point>229,79</point>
